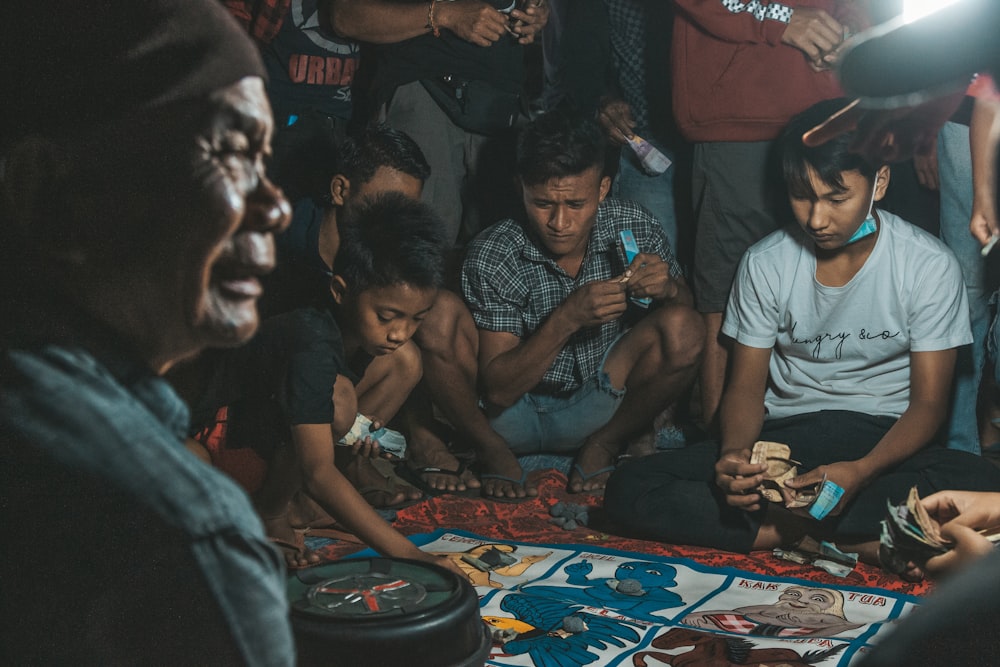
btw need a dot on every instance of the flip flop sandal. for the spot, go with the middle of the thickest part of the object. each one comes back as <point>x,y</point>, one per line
<point>584,476</point>
<point>389,487</point>
<point>298,547</point>
<point>503,478</point>
<point>415,477</point>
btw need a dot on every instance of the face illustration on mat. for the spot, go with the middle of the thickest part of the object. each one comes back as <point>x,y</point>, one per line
<point>799,611</point>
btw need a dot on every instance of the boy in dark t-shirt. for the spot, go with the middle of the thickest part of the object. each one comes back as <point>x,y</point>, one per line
<point>279,386</point>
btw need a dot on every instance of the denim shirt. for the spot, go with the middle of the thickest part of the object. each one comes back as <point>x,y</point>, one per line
<point>151,556</point>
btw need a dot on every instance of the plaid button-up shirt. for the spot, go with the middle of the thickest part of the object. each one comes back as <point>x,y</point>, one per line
<point>511,286</point>
<point>626,21</point>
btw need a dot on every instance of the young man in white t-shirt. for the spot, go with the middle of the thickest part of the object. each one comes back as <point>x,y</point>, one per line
<point>845,331</point>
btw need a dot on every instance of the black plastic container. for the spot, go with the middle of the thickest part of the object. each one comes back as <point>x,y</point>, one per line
<point>383,612</point>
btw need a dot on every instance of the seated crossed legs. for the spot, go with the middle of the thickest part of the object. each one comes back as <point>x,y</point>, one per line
<point>673,496</point>
<point>648,368</point>
<point>845,332</point>
<point>568,362</point>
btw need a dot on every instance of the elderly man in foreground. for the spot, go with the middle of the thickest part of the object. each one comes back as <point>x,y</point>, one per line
<point>135,221</point>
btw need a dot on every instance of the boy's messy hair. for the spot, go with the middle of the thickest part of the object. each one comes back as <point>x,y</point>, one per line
<point>557,144</point>
<point>829,160</point>
<point>378,145</point>
<point>390,239</point>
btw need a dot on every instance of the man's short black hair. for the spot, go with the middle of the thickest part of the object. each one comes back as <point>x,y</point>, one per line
<point>557,144</point>
<point>378,145</point>
<point>390,239</point>
<point>829,161</point>
<point>309,154</point>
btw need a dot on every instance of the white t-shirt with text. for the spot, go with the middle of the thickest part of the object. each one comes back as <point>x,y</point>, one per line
<point>848,347</point>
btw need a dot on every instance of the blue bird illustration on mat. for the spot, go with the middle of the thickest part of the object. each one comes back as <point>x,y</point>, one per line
<point>638,590</point>
<point>556,634</point>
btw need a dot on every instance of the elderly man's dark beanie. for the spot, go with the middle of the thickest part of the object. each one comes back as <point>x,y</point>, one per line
<point>67,64</point>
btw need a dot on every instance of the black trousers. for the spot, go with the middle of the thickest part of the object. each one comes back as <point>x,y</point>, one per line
<point>672,496</point>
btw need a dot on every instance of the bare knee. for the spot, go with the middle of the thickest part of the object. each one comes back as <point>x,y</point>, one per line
<point>442,323</point>
<point>407,366</point>
<point>448,331</point>
<point>681,335</point>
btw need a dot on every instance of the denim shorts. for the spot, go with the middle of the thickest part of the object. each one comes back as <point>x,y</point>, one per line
<point>539,424</point>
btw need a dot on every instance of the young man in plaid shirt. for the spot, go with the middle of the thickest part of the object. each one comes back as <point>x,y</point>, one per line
<point>568,362</point>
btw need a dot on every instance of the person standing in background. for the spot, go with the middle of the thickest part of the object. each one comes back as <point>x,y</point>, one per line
<point>740,72</point>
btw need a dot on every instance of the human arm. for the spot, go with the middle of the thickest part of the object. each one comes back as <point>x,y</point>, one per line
<point>984,139</point>
<point>511,366</point>
<point>961,515</point>
<point>324,483</point>
<point>741,416</point>
<point>388,22</point>
<point>930,382</point>
<point>887,135</point>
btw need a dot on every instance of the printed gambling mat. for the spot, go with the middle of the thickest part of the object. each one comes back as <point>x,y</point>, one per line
<point>560,605</point>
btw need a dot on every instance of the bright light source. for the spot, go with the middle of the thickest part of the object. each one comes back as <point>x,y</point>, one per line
<point>915,9</point>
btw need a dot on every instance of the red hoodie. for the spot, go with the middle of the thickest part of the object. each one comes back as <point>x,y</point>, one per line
<point>733,78</point>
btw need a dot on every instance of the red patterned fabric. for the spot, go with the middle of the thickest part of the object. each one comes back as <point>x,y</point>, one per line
<point>528,521</point>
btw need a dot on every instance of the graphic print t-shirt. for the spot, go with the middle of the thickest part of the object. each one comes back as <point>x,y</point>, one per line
<point>308,67</point>
<point>847,348</point>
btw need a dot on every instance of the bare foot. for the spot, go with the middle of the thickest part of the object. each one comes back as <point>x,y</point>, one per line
<point>643,445</point>
<point>304,512</point>
<point>431,452</point>
<point>290,541</point>
<point>379,488</point>
<point>594,464</point>
<point>502,476</point>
